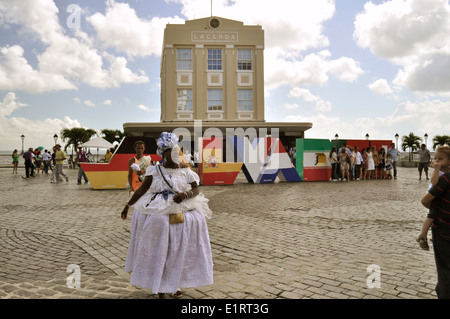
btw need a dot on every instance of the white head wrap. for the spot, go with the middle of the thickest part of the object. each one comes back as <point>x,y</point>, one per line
<point>166,141</point>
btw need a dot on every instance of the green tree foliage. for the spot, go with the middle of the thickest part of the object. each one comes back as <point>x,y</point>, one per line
<point>76,136</point>
<point>113,135</point>
<point>412,142</point>
<point>440,140</point>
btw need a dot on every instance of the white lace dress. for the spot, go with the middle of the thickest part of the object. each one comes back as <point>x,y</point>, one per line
<point>371,165</point>
<point>163,256</point>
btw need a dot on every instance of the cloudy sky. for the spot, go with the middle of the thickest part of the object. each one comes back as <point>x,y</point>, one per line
<point>349,67</point>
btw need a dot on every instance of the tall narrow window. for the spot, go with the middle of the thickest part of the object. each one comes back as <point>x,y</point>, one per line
<point>214,59</point>
<point>184,100</point>
<point>184,59</point>
<point>245,100</point>
<point>215,100</point>
<point>244,59</point>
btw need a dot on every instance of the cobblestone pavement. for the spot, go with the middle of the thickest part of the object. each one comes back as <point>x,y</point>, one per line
<point>284,240</point>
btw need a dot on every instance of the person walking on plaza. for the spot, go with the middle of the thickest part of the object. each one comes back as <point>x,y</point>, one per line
<point>47,160</point>
<point>15,161</point>
<point>53,165</point>
<point>28,157</point>
<point>394,155</point>
<point>81,158</point>
<point>38,162</point>
<point>60,156</point>
<point>169,247</point>
<point>424,161</point>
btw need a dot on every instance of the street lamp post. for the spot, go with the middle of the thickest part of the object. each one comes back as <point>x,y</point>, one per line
<point>23,138</point>
<point>55,137</point>
<point>396,139</point>
<point>336,136</point>
<point>426,138</point>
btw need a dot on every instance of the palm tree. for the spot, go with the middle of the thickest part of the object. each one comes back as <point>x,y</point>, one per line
<point>412,142</point>
<point>76,136</point>
<point>440,140</point>
<point>113,135</point>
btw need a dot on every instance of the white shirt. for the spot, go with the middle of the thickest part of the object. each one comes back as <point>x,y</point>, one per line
<point>359,158</point>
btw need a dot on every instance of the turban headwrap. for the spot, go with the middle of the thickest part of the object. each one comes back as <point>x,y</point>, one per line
<point>166,141</point>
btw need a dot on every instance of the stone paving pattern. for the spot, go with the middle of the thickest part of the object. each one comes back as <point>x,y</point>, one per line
<point>285,240</point>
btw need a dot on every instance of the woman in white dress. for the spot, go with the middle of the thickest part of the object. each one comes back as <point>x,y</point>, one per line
<point>169,246</point>
<point>371,163</point>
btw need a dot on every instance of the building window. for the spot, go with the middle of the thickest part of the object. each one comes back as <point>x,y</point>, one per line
<point>244,59</point>
<point>214,59</point>
<point>214,100</point>
<point>184,100</point>
<point>245,100</point>
<point>184,59</point>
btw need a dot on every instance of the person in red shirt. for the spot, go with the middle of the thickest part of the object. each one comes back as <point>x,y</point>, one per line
<point>81,158</point>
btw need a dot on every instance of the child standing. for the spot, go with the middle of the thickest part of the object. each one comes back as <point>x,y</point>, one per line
<point>389,166</point>
<point>441,226</point>
<point>440,165</point>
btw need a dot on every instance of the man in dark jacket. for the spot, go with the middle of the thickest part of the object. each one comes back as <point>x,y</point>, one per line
<point>28,156</point>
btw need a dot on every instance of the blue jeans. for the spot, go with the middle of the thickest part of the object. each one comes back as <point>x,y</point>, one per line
<point>81,174</point>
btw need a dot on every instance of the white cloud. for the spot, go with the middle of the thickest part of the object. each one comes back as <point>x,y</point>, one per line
<point>380,86</point>
<point>37,133</point>
<point>307,96</point>
<point>122,29</point>
<point>107,102</point>
<point>427,116</point>
<point>17,73</point>
<point>323,105</point>
<point>143,108</point>
<point>89,103</point>
<point>292,25</point>
<point>412,34</point>
<point>65,61</point>
<point>290,28</point>
<point>10,104</point>
<point>313,69</point>
<point>345,69</point>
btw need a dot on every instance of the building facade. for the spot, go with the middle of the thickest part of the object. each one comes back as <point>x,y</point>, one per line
<point>212,70</point>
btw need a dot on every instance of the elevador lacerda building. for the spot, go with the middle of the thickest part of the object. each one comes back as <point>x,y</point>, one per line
<point>212,74</point>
